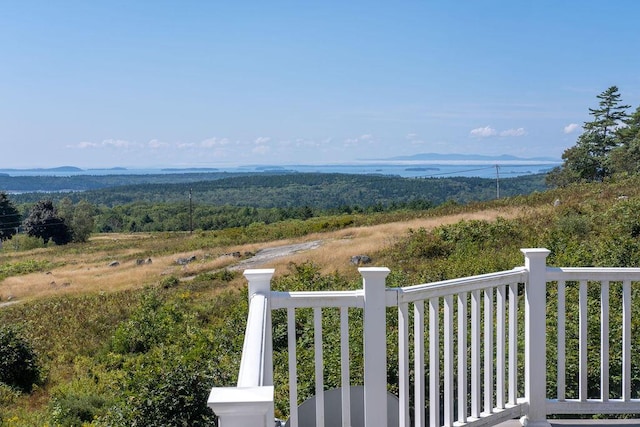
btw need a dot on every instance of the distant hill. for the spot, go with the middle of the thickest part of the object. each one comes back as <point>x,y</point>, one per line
<point>58,169</point>
<point>479,157</point>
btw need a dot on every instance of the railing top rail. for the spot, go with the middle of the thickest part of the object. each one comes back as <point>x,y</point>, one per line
<point>312,299</point>
<point>455,286</point>
<point>613,274</point>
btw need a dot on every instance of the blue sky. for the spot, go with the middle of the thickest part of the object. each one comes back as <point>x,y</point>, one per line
<point>208,83</point>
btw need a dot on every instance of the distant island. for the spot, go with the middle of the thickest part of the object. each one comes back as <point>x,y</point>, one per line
<point>58,169</point>
<point>190,169</point>
<point>479,157</point>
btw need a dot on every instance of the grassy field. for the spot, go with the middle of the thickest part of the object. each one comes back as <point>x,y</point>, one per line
<point>86,268</point>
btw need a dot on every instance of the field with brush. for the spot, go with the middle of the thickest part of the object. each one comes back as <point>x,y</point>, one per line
<point>122,334</point>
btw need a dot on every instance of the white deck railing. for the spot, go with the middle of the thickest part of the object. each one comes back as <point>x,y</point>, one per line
<point>486,348</point>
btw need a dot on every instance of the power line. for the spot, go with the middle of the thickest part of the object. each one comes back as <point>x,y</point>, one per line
<point>456,172</point>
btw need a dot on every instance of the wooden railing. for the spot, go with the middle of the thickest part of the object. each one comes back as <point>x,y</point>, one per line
<point>485,358</point>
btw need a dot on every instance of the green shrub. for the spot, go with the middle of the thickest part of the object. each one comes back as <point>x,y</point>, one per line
<point>18,362</point>
<point>223,275</point>
<point>169,282</point>
<point>148,326</point>
<point>164,388</point>
<point>75,410</point>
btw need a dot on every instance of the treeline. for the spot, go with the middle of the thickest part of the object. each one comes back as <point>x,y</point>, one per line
<point>316,190</point>
<point>136,217</point>
<point>83,182</point>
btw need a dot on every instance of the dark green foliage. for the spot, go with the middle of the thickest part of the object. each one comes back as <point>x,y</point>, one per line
<point>164,388</point>
<point>10,218</point>
<point>19,366</point>
<point>223,276</point>
<point>169,282</point>
<point>25,267</point>
<point>148,326</point>
<point>44,222</point>
<point>74,410</point>
<point>422,243</point>
<point>168,384</point>
<point>593,158</point>
<point>625,158</point>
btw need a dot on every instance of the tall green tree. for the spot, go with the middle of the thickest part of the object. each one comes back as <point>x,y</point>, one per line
<point>9,218</point>
<point>625,158</point>
<point>590,159</point>
<point>79,218</point>
<point>83,221</point>
<point>44,222</point>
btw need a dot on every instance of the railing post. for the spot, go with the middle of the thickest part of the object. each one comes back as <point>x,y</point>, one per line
<point>250,404</point>
<point>535,338</point>
<point>375,345</point>
<point>260,284</point>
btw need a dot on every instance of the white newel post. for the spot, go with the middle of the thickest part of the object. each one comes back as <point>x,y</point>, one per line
<point>375,345</point>
<point>250,404</point>
<point>260,284</point>
<point>535,338</point>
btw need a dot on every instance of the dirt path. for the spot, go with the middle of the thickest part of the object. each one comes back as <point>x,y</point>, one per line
<point>267,255</point>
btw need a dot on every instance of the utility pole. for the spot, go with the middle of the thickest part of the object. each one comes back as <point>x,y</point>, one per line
<point>497,181</point>
<point>190,211</point>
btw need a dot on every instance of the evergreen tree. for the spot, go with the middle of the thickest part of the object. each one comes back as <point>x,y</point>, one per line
<point>626,157</point>
<point>45,223</point>
<point>9,218</point>
<point>589,159</point>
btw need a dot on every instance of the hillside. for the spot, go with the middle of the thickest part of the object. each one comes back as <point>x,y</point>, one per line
<point>68,272</point>
<point>133,344</point>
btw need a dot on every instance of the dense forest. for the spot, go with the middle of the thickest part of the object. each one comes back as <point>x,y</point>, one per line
<point>86,181</point>
<point>244,200</point>
<point>317,190</point>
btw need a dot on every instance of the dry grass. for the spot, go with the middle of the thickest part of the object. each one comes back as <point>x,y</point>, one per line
<point>90,271</point>
<point>337,248</point>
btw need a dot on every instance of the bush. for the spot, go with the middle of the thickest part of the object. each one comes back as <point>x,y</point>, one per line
<point>164,388</point>
<point>18,362</point>
<point>76,410</point>
<point>169,282</point>
<point>148,326</point>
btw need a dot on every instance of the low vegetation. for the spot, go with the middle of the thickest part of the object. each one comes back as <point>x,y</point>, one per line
<point>142,344</point>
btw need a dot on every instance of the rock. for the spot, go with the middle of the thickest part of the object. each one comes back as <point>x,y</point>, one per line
<point>360,259</point>
<point>185,261</point>
<point>114,263</point>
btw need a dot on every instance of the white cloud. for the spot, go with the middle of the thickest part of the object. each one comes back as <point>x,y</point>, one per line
<point>154,143</point>
<point>182,145</point>
<point>213,142</point>
<point>571,127</point>
<point>117,143</point>
<point>484,132</point>
<point>513,132</point>
<point>262,140</point>
<point>355,141</point>
<point>84,144</point>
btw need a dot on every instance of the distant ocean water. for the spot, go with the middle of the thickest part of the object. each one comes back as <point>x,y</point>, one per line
<point>407,169</point>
